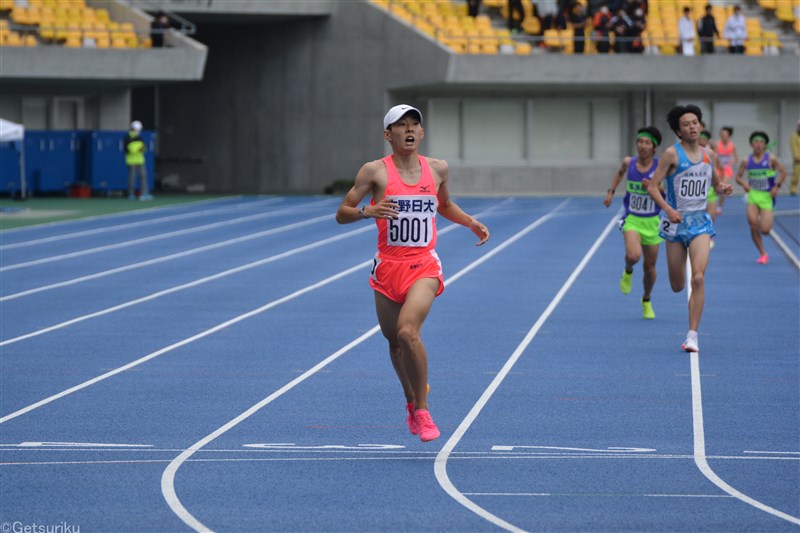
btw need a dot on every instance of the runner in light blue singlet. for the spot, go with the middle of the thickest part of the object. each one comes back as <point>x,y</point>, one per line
<point>687,191</point>
<point>688,172</point>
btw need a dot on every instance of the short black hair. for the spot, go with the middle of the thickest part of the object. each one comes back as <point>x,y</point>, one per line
<point>728,129</point>
<point>675,114</point>
<point>706,134</point>
<point>653,131</point>
<point>759,134</point>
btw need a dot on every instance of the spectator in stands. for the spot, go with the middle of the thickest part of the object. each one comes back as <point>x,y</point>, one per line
<point>639,25</point>
<point>158,26</point>
<point>515,9</point>
<point>707,30</point>
<point>594,6</point>
<point>736,31</point>
<point>601,22</point>
<point>622,26</point>
<point>535,15</point>
<point>686,32</point>
<point>631,6</point>
<point>578,20</point>
<point>473,6</point>
<point>795,145</point>
<point>562,18</point>
<point>134,158</point>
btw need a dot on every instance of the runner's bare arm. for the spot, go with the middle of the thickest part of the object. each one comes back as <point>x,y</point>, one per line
<point>616,181</point>
<point>739,174</point>
<point>366,182</point>
<point>719,185</point>
<point>448,208</point>
<point>665,164</point>
<point>777,165</point>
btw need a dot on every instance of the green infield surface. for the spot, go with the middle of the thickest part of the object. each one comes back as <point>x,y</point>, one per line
<point>16,213</point>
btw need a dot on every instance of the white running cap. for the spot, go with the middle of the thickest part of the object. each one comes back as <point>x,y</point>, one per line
<point>136,125</point>
<point>398,112</point>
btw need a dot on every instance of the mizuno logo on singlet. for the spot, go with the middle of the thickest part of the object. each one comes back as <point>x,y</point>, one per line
<point>424,188</point>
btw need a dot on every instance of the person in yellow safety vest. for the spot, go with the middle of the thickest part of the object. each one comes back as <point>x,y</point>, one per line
<point>134,158</point>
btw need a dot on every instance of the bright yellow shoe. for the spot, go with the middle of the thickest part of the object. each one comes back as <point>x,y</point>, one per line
<point>647,311</point>
<point>626,282</point>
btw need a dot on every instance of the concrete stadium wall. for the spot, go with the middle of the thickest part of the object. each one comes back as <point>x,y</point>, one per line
<point>292,105</point>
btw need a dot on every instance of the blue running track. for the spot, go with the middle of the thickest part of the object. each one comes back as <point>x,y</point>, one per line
<point>218,367</point>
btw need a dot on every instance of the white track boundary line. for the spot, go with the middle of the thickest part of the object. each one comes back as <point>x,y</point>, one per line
<point>440,464</point>
<point>782,245</point>
<point>165,258</point>
<point>188,285</point>
<point>700,459</point>
<point>202,334</point>
<point>137,224</point>
<point>168,477</point>
<point>152,238</point>
<point>119,214</point>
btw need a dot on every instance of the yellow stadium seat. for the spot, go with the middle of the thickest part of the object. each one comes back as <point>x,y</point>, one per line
<point>552,39</point>
<point>102,15</point>
<point>523,49</point>
<point>73,41</point>
<point>117,41</point>
<point>13,39</point>
<point>753,49</point>
<point>532,25</point>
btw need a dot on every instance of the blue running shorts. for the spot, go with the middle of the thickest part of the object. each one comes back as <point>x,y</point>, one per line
<point>694,223</point>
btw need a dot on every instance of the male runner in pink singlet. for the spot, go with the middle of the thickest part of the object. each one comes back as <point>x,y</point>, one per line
<point>408,190</point>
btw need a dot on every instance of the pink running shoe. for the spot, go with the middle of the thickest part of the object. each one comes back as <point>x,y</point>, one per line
<point>763,259</point>
<point>427,429</point>
<point>413,427</point>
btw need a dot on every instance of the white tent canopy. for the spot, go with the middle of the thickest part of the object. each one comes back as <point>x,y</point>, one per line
<point>11,131</point>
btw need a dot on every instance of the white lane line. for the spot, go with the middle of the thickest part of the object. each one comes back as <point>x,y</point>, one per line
<point>165,258</point>
<point>202,334</point>
<point>137,224</point>
<point>782,245</point>
<point>698,425</point>
<point>440,465</point>
<point>188,340</point>
<point>188,285</point>
<point>118,215</point>
<point>168,477</point>
<point>153,238</point>
<point>595,495</point>
<point>777,453</point>
<point>377,456</point>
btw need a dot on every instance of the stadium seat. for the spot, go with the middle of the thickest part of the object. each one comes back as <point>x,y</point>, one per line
<point>523,49</point>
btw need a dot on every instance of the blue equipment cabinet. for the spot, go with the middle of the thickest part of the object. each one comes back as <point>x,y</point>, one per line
<point>10,158</point>
<point>53,159</point>
<point>106,170</point>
